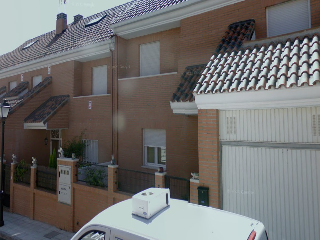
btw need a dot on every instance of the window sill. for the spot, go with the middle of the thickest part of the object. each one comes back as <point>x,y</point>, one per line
<point>101,95</point>
<point>154,167</point>
<point>141,77</point>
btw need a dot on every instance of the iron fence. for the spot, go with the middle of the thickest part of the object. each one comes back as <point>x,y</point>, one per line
<point>95,174</point>
<point>22,174</point>
<point>134,181</point>
<point>46,178</point>
<point>179,187</point>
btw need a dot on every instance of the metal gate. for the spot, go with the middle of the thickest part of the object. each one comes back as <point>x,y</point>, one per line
<point>179,187</point>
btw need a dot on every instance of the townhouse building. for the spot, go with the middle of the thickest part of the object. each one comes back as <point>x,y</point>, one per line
<point>228,89</point>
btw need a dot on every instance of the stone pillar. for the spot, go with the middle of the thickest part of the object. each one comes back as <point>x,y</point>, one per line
<point>65,211</point>
<point>208,145</point>
<point>194,183</point>
<point>160,179</point>
<point>33,180</point>
<point>13,168</point>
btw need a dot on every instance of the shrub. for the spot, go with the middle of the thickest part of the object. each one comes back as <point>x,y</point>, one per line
<point>75,145</point>
<point>53,160</point>
<point>20,170</point>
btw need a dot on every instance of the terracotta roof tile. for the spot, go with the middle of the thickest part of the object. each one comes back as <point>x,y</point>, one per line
<point>81,33</point>
<point>294,62</point>
<point>47,109</point>
<point>188,81</point>
<point>17,90</point>
<point>16,102</point>
<point>218,69</point>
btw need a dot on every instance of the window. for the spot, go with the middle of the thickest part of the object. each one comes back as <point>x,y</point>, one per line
<point>94,234</point>
<point>13,85</point>
<point>150,59</point>
<point>90,152</point>
<point>154,147</point>
<point>288,17</point>
<point>99,80</point>
<point>36,80</point>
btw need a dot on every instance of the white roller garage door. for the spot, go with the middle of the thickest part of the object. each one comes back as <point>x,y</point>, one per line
<point>271,169</point>
<point>279,187</point>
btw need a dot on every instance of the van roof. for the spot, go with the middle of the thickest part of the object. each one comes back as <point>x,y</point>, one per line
<point>180,220</point>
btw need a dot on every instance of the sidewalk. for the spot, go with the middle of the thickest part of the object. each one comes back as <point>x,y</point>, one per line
<point>17,227</point>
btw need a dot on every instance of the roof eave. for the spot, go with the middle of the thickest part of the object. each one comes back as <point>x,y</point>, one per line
<point>184,108</point>
<point>304,96</point>
<point>166,18</point>
<point>39,125</point>
<point>85,53</point>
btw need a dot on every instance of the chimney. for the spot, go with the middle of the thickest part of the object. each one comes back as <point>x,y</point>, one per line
<point>77,18</point>
<point>61,25</point>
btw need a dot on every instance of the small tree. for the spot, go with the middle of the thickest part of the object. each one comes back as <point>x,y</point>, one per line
<point>75,145</point>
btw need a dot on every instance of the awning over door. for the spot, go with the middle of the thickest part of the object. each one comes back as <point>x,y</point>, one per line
<point>52,114</point>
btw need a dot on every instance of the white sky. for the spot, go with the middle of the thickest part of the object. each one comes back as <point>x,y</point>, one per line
<point>21,20</point>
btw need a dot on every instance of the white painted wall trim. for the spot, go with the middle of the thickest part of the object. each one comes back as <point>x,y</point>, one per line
<point>186,108</point>
<point>262,99</point>
<point>34,125</point>
<point>101,95</point>
<point>166,18</point>
<point>85,53</point>
<point>141,77</point>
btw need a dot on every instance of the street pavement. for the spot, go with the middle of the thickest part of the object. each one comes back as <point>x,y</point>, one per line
<point>17,227</point>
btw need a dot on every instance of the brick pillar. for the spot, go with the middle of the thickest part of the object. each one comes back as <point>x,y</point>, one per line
<point>112,183</point>
<point>208,145</point>
<point>65,211</point>
<point>13,168</point>
<point>160,180</point>
<point>33,179</point>
<point>194,184</point>
<point>112,178</point>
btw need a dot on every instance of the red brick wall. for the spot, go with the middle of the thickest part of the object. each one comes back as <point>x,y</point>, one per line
<point>95,122</point>
<point>208,144</point>
<point>45,207</point>
<point>144,103</point>
<point>168,52</point>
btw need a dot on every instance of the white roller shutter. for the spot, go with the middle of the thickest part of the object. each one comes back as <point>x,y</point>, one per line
<point>277,186</point>
<point>150,59</point>
<point>154,137</point>
<point>36,80</point>
<point>99,80</point>
<point>288,17</point>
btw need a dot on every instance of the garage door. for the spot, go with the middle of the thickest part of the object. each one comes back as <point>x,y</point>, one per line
<point>278,186</point>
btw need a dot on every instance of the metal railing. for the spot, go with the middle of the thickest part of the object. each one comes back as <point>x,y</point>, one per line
<point>134,181</point>
<point>179,187</point>
<point>23,174</point>
<point>93,174</point>
<point>46,178</point>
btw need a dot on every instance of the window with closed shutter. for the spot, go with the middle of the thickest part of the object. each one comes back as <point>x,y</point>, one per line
<point>154,147</point>
<point>99,80</point>
<point>13,85</point>
<point>36,80</point>
<point>150,59</point>
<point>288,17</point>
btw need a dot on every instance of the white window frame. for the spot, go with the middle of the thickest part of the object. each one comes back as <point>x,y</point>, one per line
<point>36,77</point>
<point>90,146</point>
<point>145,153</point>
<point>59,138</point>
<point>142,64</point>
<point>267,16</point>
<point>106,81</point>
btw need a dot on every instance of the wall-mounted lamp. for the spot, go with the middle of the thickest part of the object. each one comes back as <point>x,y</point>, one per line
<point>45,141</point>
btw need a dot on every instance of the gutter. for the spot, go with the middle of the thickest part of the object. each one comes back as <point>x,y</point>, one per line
<point>53,59</point>
<point>166,18</point>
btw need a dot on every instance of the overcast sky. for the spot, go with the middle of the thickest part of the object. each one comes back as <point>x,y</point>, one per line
<point>21,20</point>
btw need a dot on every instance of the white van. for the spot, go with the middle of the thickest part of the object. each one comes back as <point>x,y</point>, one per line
<point>152,214</point>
